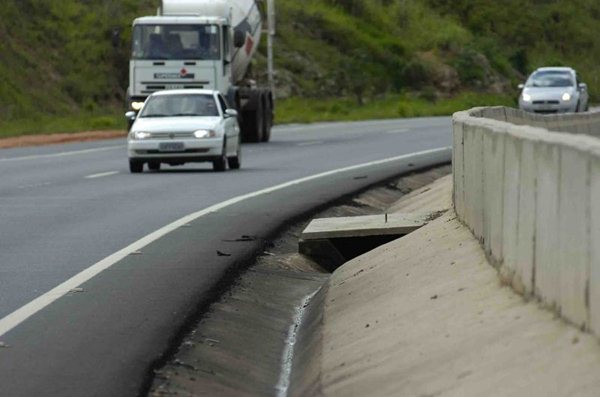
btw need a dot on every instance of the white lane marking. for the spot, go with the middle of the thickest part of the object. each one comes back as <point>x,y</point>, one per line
<point>62,154</point>
<point>34,185</point>
<point>398,131</point>
<point>310,143</point>
<point>18,316</point>
<point>101,175</point>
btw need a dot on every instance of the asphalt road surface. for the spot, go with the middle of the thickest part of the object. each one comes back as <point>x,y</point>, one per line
<point>100,269</point>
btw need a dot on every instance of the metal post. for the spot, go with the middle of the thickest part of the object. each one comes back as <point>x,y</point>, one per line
<point>270,38</point>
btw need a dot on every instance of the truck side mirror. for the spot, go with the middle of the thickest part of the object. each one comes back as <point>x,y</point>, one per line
<point>583,86</point>
<point>521,86</point>
<point>239,38</point>
<point>130,115</point>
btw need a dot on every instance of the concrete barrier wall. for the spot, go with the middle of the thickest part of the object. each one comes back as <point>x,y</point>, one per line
<point>528,186</point>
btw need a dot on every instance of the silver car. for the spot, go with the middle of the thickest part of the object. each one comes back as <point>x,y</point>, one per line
<point>554,90</point>
<point>182,126</point>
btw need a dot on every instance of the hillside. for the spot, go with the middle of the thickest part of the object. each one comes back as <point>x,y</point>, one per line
<point>58,58</point>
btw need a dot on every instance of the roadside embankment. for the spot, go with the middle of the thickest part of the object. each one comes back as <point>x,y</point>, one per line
<point>426,315</point>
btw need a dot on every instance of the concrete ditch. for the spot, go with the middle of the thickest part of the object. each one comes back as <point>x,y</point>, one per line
<point>243,345</point>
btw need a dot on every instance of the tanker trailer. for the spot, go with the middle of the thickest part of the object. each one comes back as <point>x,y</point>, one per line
<point>207,44</point>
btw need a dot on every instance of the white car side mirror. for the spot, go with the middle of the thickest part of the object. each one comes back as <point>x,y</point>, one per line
<point>231,113</point>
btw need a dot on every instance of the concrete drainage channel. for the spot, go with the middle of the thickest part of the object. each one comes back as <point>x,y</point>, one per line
<point>262,337</point>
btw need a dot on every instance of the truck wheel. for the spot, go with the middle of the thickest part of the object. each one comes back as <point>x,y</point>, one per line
<point>135,167</point>
<point>252,125</point>
<point>267,116</point>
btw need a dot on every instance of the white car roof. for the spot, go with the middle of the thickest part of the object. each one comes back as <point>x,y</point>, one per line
<point>185,91</point>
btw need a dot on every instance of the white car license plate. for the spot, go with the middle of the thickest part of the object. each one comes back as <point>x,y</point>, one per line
<point>174,86</point>
<point>171,146</point>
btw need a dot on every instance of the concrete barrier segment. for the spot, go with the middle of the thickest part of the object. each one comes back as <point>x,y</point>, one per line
<point>573,233</point>
<point>524,264</point>
<point>493,176</point>
<point>546,267</point>
<point>594,239</point>
<point>458,167</point>
<point>512,169</point>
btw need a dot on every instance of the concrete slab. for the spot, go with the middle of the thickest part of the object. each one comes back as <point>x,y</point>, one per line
<point>362,226</point>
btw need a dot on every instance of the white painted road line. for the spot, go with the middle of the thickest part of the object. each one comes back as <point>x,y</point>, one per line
<point>101,175</point>
<point>20,315</point>
<point>399,131</point>
<point>62,154</point>
<point>311,143</point>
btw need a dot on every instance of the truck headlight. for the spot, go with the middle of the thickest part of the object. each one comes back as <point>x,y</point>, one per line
<point>205,134</point>
<point>526,98</point>
<point>566,97</point>
<point>140,135</point>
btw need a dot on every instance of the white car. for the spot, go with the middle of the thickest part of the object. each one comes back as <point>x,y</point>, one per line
<point>184,126</point>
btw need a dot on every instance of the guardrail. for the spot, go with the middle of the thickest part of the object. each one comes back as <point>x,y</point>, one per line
<point>532,197</point>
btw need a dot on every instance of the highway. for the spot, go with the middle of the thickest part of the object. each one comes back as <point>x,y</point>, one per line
<point>100,269</point>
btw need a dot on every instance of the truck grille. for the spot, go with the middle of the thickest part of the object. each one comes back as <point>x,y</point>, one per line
<point>151,87</point>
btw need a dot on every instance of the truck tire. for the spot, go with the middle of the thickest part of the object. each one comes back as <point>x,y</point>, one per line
<point>252,124</point>
<point>267,115</point>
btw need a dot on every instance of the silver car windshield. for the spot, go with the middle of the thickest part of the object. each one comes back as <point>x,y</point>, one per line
<point>176,42</point>
<point>551,79</point>
<point>181,105</point>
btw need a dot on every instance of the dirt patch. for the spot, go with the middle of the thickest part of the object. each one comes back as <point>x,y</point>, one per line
<point>54,139</point>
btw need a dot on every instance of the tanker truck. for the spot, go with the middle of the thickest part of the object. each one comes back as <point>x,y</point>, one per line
<point>206,44</point>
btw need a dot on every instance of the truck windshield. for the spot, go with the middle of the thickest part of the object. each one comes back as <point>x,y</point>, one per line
<point>180,105</point>
<point>176,42</point>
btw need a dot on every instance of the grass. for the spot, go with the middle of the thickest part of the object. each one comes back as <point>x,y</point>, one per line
<point>308,110</point>
<point>63,124</point>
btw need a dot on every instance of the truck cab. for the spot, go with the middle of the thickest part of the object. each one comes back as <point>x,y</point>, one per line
<point>177,53</point>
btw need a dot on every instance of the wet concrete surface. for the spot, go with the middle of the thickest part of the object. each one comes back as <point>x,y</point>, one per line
<point>261,337</point>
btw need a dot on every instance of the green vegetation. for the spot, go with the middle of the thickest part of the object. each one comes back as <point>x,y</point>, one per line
<point>61,69</point>
<point>306,110</point>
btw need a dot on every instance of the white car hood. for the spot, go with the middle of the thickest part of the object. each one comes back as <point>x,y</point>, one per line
<point>175,124</point>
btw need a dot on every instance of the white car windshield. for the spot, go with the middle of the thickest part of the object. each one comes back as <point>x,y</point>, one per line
<point>180,105</point>
<point>551,79</point>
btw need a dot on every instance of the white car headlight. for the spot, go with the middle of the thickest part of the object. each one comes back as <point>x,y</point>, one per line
<point>566,97</point>
<point>205,134</point>
<point>137,105</point>
<point>526,97</point>
<point>140,135</point>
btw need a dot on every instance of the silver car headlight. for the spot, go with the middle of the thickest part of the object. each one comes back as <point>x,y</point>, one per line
<point>566,97</point>
<point>140,135</point>
<point>526,98</point>
<point>205,134</point>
